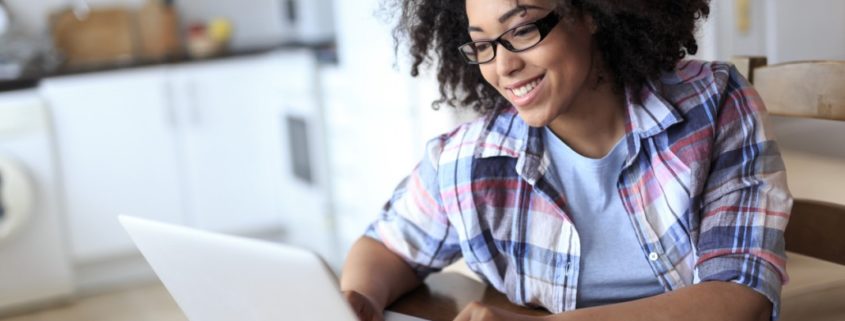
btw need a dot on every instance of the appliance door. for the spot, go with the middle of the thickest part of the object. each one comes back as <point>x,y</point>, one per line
<point>35,266</point>
<point>15,198</point>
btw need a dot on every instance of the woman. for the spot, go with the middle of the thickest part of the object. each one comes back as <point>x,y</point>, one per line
<point>608,179</point>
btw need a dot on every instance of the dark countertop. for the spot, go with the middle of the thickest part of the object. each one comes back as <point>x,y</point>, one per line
<point>18,84</point>
<point>325,52</point>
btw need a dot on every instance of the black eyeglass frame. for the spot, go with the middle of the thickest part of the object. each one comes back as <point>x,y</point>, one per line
<point>544,26</point>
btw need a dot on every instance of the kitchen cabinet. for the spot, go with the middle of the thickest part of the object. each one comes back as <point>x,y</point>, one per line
<point>202,144</point>
<point>115,135</point>
<point>229,134</point>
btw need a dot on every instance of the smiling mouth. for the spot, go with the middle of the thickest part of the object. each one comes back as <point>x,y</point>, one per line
<point>523,90</point>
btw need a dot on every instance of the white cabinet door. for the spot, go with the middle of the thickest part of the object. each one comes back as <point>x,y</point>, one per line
<point>117,154</point>
<point>229,119</point>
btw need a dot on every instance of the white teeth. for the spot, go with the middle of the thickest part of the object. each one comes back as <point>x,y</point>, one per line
<point>524,90</point>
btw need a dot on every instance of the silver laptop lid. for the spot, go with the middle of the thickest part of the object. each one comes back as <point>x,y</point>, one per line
<point>215,277</point>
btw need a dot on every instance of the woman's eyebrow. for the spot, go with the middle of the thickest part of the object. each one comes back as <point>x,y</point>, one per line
<point>508,15</point>
<point>515,10</point>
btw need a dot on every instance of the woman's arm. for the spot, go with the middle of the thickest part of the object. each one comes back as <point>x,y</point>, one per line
<point>377,274</point>
<point>415,227</point>
<point>704,301</point>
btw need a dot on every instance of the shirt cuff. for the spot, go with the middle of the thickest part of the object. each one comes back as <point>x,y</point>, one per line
<point>748,270</point>
<point>420,270</point>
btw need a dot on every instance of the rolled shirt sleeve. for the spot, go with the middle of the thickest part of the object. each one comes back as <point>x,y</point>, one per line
<point>414,224</point>
<point>746,204</point>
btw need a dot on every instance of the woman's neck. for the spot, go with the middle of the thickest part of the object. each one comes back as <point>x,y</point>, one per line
<point>595,121</point>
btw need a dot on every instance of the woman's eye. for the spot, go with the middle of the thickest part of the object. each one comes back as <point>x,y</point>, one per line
<point>482,46</point>
<point>525,31</point>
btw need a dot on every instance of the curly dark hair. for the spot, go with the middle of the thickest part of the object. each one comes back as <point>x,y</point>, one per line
<point>638,40</point>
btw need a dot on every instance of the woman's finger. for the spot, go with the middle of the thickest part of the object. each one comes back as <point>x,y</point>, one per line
<point>469,311</point>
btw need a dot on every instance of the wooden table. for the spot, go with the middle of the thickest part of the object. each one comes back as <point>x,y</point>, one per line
<point>444,295</point>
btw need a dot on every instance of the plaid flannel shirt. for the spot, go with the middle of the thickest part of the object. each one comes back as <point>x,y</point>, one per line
<point>703,184</point>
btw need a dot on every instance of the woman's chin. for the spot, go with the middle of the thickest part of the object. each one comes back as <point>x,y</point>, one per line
<point>534,117</point>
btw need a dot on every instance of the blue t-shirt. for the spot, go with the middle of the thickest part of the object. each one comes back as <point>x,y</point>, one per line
<point>614,267</point>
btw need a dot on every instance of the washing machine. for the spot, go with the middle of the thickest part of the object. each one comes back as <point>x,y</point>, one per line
<point>35,265</point>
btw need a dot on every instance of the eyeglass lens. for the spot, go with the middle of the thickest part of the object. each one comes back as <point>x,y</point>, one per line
<point>517,39</point>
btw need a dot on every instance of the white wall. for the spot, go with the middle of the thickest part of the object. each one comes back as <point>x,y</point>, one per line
<point>31,16</point>
<point>378,116</point>
<point>257,23</point>
<point>782,30</point>
<point>806,30</point>
<point>751,42</point>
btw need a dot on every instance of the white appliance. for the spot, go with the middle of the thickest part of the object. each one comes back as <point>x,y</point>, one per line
<point>34,265</point>
<point>305,182</point>
<point>265,23</point>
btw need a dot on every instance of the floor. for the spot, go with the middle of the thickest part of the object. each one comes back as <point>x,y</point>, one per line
<point>143,303</point>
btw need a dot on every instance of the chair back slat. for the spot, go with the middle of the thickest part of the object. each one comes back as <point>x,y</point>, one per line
<point>817,229</point>
<point>814,89</point>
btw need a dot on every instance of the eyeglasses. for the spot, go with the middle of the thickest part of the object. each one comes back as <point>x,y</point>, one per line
<point>517,39</point>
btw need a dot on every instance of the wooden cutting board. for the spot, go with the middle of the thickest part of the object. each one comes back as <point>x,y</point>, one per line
<point>103,37</point>
<point>158,28</point>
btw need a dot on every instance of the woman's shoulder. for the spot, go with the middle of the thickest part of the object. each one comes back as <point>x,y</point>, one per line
<point>498,130</point>
<point>692,72</point>
<point>700,83</point>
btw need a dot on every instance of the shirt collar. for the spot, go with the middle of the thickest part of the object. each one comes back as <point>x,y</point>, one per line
<point>653,114</point>
<point>506,135</point>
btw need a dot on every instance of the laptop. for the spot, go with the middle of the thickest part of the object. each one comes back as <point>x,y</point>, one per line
<point>216,277</point>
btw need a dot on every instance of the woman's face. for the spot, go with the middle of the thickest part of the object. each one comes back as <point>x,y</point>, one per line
<point>543,81</point>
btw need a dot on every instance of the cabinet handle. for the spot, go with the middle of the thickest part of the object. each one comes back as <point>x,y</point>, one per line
<point>195,109</point>
<point>170,112</point>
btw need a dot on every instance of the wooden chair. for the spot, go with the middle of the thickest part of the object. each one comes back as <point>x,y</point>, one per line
<point>814,89</point>
<point>815,235</point>
<point>817,229</point>
<point>810,89</point>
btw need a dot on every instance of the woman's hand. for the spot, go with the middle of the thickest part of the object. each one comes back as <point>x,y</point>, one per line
<point>363,307</point>
<point>476,311</point>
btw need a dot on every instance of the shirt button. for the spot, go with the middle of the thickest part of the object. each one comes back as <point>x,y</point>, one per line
<point>653,256</point>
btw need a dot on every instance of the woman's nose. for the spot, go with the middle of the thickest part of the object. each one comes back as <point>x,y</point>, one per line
<point>507,62</point>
